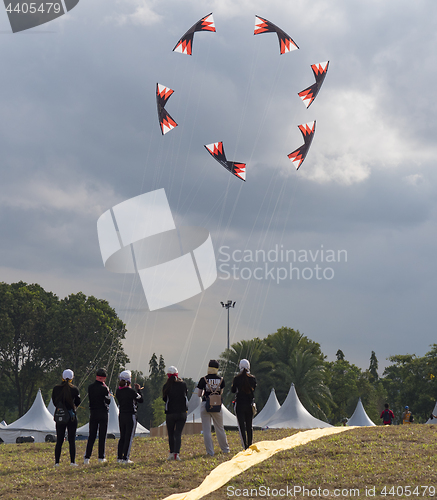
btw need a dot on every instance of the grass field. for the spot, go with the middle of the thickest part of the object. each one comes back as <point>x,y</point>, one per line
<point>393,457</point>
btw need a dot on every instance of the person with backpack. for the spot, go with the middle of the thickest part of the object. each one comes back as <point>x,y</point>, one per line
<point>99,400</point>
<point>210,389</point>
<point>174,394</point>
<point>387,415</point>
<point>66,399</point>
<point>407,416</point>
<point>244,385</point>
<point>128,400</point>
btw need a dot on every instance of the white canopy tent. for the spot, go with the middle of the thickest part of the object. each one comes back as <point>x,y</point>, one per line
<point>3,424</point>
<point>359,416</point>
<point>433,420</point>
<point>37,422</point>
<point>293,415</point>
<point>51,407</point>
<point>270,408</point>
<point>113,427</point>
<point>194,402</point>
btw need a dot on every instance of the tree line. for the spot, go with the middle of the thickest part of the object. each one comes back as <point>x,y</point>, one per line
<point>41,334</point>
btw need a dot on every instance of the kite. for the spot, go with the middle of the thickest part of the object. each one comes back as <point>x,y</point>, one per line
<point>185,44</point>
<point>308,95</point>
<point>217,151</point>
<point>286,43</point>
<point>299,154</point>
<point>166,122</point>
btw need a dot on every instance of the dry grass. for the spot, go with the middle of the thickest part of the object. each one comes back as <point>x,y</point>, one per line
<point>396,456</point>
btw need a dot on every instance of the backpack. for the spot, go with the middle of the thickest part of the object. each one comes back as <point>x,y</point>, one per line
<point>214,400</point>
<point>386,416</point>
<point>62,415</point>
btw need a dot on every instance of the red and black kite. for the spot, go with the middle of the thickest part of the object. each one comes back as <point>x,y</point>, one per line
<point>185,44</point>
<point>217,151</point>
<point>299,154</point>
<point>166,122</point>
<point>286,43</point>
<point>308,95</point>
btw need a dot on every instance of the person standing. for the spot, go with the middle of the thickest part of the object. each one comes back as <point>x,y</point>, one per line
<point>99,400</point>
<point>128,400</point>
<point>212,383</point>
<point>66,395</point>
<point>174,394</point>
<point>244,385</point>
<point>406,416</point>
<point>387,415</point>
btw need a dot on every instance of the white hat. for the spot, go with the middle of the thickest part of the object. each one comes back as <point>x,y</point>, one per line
<point>68,374</point>
<point>172,370</point>
<point>126,375</point>
<point>244,363</point>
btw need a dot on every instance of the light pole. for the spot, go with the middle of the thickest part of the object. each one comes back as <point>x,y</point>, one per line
<point>227,306</point>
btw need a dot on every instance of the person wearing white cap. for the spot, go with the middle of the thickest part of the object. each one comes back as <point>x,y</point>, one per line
<point>66,399</point>
<point>244,385</point>
<point>128,400</point>
<point>174,394</point>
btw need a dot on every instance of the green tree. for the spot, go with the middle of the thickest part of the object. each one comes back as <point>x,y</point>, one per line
<point>28,332</point>
<point>158,412</point>
<point>256,351</point>
<point>157,376</point>
<point>373,368</point>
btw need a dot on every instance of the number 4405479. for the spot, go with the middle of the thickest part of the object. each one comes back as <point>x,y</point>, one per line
<point>409,491</point>
<point>31,8</point>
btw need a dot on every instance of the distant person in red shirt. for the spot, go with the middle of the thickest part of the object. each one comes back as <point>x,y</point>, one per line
<point>387,415</point>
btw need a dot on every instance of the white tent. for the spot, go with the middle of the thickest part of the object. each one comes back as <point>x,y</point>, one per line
<point>433,420</point>
<point>270,408</point>
<point>37,422</point>
<point>51,407</point>
<point>229,420</point>
<point>293,415</point>
<point>113,427</point>
<point>194,402</point>
<point>3,424</point>
<point>360,417</point>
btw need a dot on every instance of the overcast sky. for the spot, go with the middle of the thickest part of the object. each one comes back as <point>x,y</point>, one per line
<point>79,134</point>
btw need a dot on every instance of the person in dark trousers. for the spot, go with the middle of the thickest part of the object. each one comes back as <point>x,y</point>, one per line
<point>387,415</point>
<point>244,385</point>
<point>128,400</point>
<point>174,394</point>
<point>99,400</point>
<point>68,395</point>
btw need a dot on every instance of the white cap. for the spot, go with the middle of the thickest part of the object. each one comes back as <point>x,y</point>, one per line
<point>68,374</point>
<point>244,363</point>
<point>172,370</point>
<point>126,375</point>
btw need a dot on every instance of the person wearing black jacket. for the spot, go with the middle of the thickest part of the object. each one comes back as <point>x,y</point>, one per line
<point>244,385</point>
<point>128,400</point>
<point>66,394</point>
<point>99,400</point>
<point>174,394</point>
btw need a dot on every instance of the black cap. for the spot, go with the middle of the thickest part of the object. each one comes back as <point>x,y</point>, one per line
<point>213,363</point>
<point>101,372</point>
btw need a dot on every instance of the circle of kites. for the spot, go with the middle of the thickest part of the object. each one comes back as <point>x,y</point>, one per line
<point>286,44</point>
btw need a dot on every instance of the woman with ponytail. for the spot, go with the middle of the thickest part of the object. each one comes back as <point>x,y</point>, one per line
<point>174,394</point>
<point>67,395</point>
<point>244,385</point>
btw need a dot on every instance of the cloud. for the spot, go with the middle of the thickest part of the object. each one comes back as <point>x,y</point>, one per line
<point>139,12</point>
